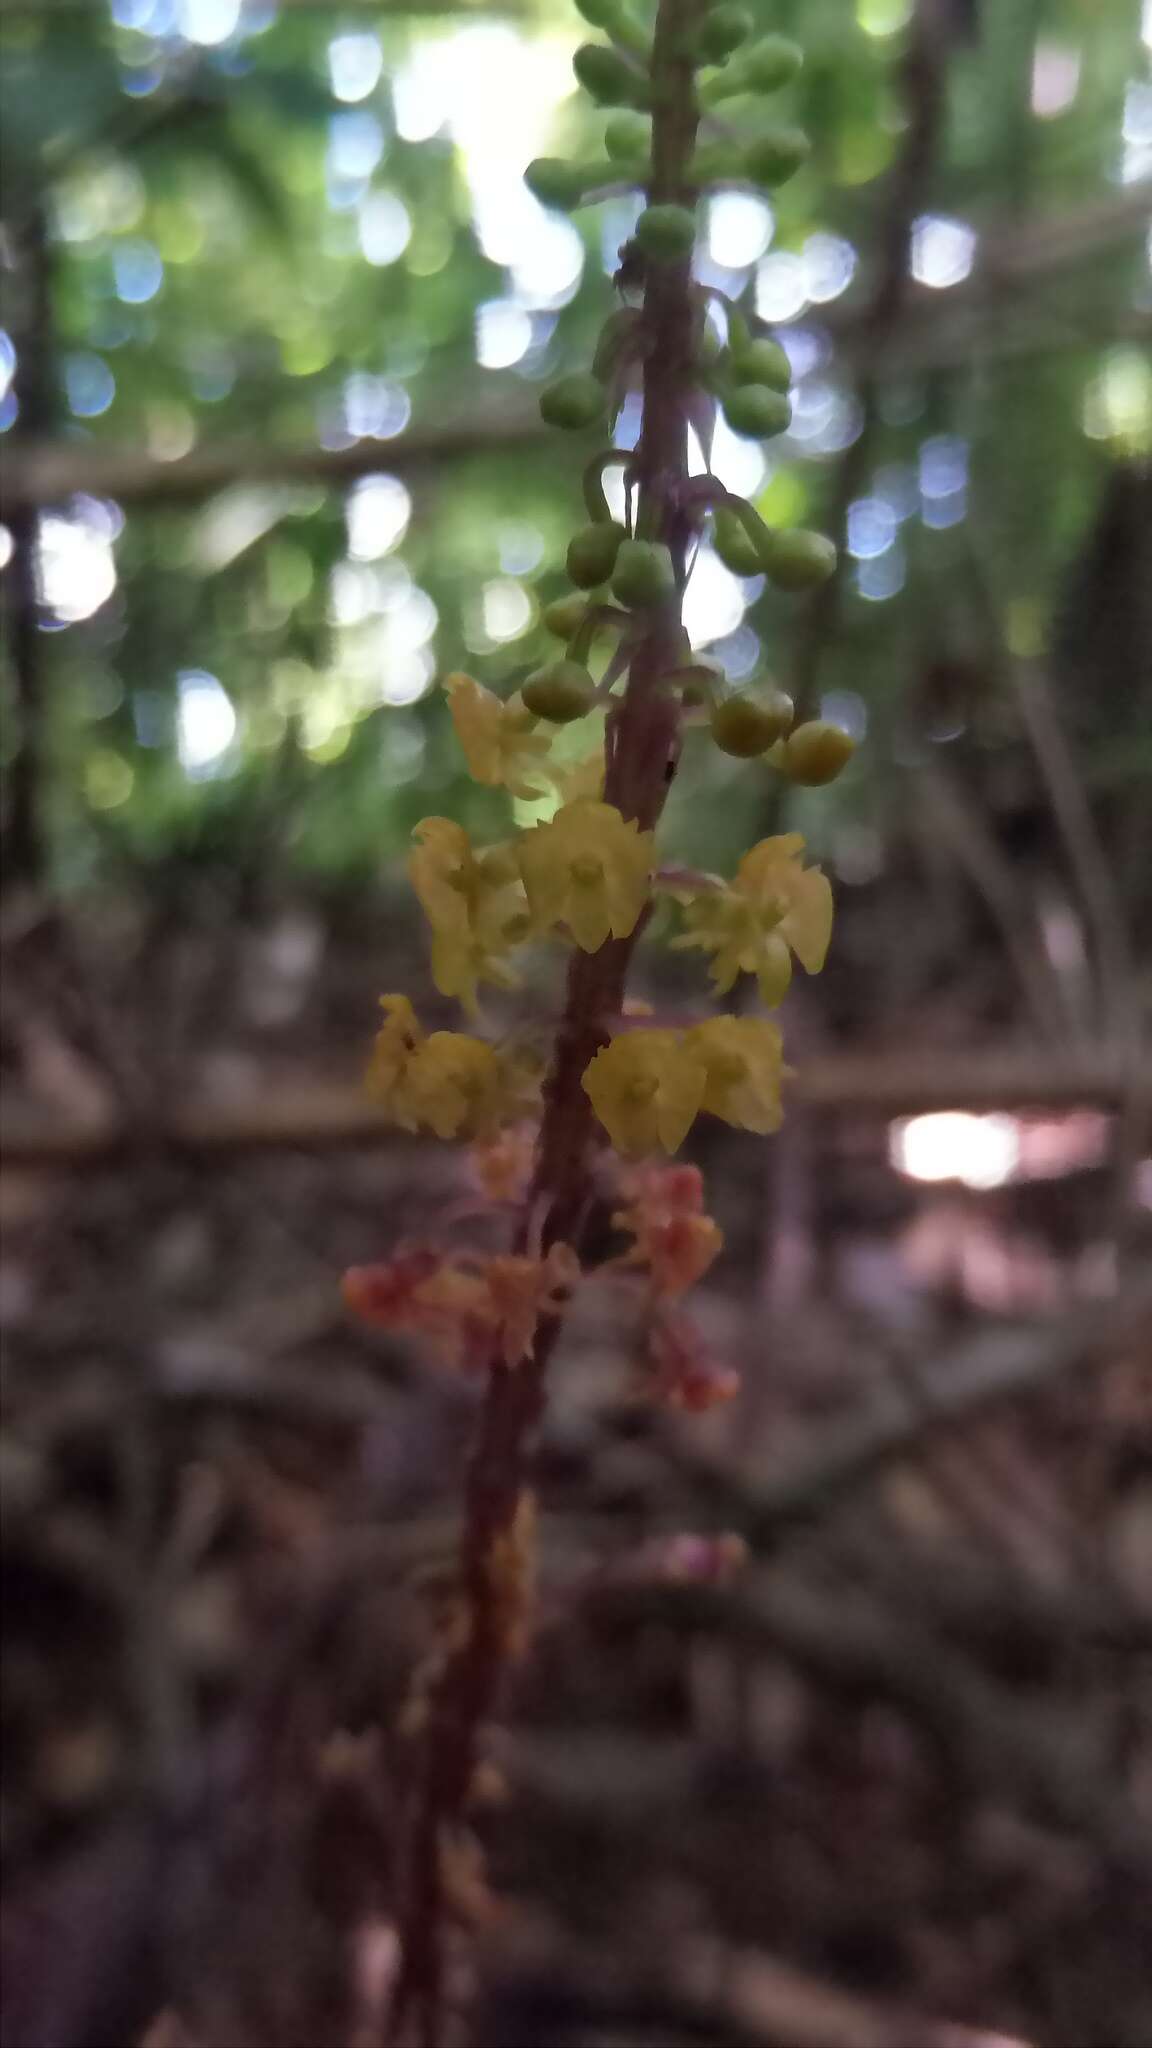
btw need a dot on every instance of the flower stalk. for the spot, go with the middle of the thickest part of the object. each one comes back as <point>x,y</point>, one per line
<point>589,875</point>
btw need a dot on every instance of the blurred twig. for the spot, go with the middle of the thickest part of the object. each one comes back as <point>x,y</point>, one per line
<point>921,86</point>
<point>22,846</point>
<point>50,471</point>
<point>323,1117</point>
<point>1012,261</point>
<point>954,818</point>
<point>1000,1366</point>
<point>858,1645</point>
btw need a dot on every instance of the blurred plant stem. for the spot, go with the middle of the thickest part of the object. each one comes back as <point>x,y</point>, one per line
<point>33,387</point>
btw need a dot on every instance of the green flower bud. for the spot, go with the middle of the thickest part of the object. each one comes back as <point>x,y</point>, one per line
<point>770,63</point>
<point>608,78</point>
<point>776,157</point>
<point>765,67</point>
<point>754,410</point>
<point>592,553</point>
<point>628,138</point>
<point>777,705</point>
<point>616,22</point>
<point>798,560</point>
<point>742,727</point>
<point>733,545</point>
<point>666,233</point>
<point>554,182</point>
<point>643,573</point>
<point>762,362</point>
<point>716,163</point>
<point>721,32</point>
<point>559,692</point>
<point>816,752</point>
<point>574,401</point>
<point>564,616</point>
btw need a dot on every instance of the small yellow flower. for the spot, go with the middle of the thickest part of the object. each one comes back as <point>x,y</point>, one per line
<point>646,1088</point>
<point>395,1047</point>
<point>456,1085</point>
<point>773,904</point>
<point>474,904</point>
<point>499,739</point>
<point>588,869</point>
<point>743,1068</point>
<point>583,779</point>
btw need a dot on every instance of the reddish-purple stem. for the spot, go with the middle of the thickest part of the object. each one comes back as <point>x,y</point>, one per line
<point>641,765</point>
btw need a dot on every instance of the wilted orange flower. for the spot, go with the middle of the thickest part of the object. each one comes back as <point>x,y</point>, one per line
<point>468,1307</point>
<point>520,1291</point>
<point>502,1165</point>
<point>673,1236</point>
<point>679,1371</point>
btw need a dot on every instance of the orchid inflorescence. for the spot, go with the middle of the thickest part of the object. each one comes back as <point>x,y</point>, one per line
<point>597,1115</point>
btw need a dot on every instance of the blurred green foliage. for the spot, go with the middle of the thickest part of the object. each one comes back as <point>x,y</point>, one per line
<point>288,227</point>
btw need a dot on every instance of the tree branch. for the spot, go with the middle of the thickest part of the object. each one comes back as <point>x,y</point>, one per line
<point>1012,262</point>
<point>327,1117</point>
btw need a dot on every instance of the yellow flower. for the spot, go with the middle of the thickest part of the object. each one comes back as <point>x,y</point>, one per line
<point>588,869</point>
<point>773,904</point>
<point>499,740</point>
<point>743,1069</point>
<point>474,904</point>
<point>395,1047</point>
<point>584,779</point>
<point>456,1085</point>
<point>646,1088</point>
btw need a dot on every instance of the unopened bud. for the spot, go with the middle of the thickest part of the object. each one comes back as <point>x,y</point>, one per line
<point>643,573</point>
<point>565,616</point>
<point>776,157</point>
<point>762,362</point>
<point>608,78</point>
<point>733,545</point>
<point>798,560</point>
<point>722,31</point>
<point>770,63</point>
<point>742,727</point>
<point>574,401</point>
<point>666,233</point>
<point>616,21</point>
<point>555,183</point>
<point>778,706</point>
<point>628,138</point>
<point>766,66</point>
<point>559,692</point>
<point>817,752</point>
<point>756,411</point>
<point>592,553</point>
